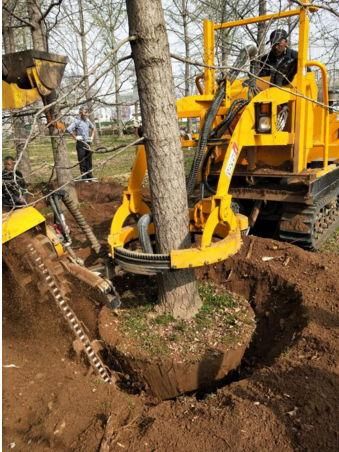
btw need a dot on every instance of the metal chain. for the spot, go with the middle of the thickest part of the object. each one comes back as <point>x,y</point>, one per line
<point>71,318</point>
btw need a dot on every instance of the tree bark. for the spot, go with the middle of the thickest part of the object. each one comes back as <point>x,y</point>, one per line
<point>117,95</point>
<point>85,68</point>
<point>261,27</point>
<point>61,159</point>
<point>185,17</point>
<point>18,123</point>
<point>20,135</point>
<point>37,27</point>
<point>150,51</point>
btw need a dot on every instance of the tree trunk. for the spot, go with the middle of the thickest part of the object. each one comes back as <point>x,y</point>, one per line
<point>60,154</point>
<point>18,123</point>
<point>37,29</point>
<point>7,32</point>
<point>117,95</point>
<point>187,56</point>
<point>150,51</point>
<point>20,136</point>
<point>85,68</point>
<point>261,28</point>
<point>59,148</point>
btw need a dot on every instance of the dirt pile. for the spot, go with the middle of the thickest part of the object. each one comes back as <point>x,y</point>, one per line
<point>283,397</point>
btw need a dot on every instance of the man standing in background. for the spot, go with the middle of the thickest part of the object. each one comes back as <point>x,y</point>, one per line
<point>82,130</point>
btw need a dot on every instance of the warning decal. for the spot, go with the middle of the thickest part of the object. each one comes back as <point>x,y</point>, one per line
<point>232,160</point>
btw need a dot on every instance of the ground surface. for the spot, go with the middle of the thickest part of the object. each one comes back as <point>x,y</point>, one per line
<point>284,397</point>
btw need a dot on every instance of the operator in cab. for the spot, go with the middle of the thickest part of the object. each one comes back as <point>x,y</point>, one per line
<point>281,62</point>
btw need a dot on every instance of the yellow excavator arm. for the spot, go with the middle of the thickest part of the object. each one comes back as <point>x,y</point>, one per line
<point>28,76</point>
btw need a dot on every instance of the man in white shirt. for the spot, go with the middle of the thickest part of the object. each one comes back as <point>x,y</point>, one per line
<point>82,130</point>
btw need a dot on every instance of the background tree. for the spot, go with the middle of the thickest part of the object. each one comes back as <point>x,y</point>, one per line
<point>182,16</point>
<point>40,42</point>
<point>108,17</point>
<point>9,24</point>
<point>84,61</point>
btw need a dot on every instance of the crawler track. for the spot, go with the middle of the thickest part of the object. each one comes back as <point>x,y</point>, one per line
<point>310,226</point>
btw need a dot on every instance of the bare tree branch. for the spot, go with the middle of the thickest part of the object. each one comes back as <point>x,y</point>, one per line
<point>20,19</point>
<point>51,6</point>
<point>314,5</point>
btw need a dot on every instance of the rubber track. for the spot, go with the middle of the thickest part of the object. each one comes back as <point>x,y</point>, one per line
<point>308,217</point>
<point>70,317</point>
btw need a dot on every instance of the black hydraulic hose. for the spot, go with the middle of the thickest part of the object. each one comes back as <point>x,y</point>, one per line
<point>81,222</point>
<point>248,52</point>
<point>203,168</point>
<point>234,109</point>
<point>144,238</point>
<point>202,144</point>
<point>219,130</point>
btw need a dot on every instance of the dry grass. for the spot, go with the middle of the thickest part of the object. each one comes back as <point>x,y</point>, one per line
<point>117,168</point>
<point>41,157</point>
<point>332,244</point>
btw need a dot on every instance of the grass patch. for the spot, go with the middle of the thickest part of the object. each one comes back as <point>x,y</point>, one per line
<point>41,158</point>
<point>117,168</point>
<point>221,320</point>
<point>332,244</point>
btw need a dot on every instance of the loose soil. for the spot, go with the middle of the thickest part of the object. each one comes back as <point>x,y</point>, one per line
<point>283,397</point>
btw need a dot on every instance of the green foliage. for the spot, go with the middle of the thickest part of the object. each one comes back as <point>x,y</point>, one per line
<point>164,319</point>
<point>214,303</point>
<point>212,299</point>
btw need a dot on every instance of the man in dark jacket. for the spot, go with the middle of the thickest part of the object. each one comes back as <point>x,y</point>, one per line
<point>13,186</point>
<point>281,62</point>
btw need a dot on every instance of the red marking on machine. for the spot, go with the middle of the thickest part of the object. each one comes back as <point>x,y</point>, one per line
<point>232,160</point>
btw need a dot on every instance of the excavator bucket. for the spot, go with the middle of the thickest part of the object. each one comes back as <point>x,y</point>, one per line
<point>29,76</point>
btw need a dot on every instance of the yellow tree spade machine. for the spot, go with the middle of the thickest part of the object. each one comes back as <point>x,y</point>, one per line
<point>39,255</point>
<point>260,148</point>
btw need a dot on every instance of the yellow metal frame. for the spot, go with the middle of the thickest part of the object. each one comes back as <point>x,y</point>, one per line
<point>220,223</point>
<point>15,97</point>
<point>19,221</point>
<point>213,217</point>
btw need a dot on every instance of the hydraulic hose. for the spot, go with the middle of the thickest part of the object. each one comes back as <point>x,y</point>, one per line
<point>144,238</point>
<point>59,217</point>
<point>198,84</point>
<point>234,109</point>
<point>202,144</point>
<point>247,52</point>
<point>80,220</point>
<point>219,130</point>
